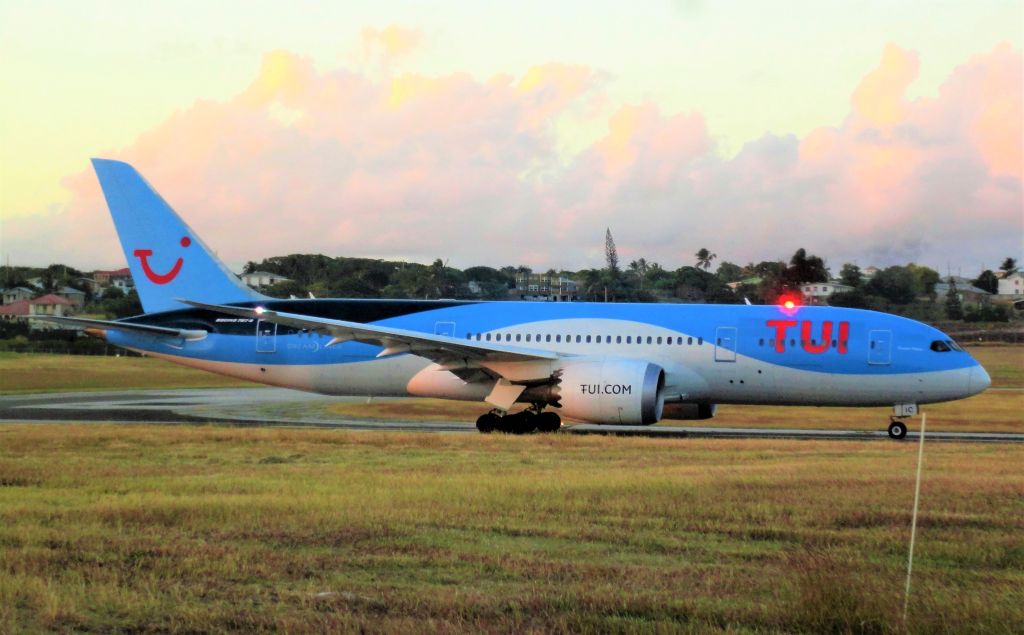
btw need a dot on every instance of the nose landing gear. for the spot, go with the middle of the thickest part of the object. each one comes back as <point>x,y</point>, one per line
<point>897,429</point>
<point>900,411</point>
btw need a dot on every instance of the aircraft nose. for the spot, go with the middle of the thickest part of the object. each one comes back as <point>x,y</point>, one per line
<point>979,380</point>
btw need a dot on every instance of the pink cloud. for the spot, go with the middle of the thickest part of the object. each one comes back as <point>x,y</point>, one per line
<point>404,164</point>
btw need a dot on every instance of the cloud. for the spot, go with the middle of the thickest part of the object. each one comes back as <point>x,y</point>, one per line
<point>400,164</point>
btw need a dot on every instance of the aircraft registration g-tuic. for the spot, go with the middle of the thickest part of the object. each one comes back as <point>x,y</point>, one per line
<point>593,362</point>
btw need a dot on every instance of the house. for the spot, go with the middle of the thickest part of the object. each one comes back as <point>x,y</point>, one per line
<point>50,304</point>
<point>969,294</point>
<point>260,279</point>
<point>1012,284</point>
<point>120,278</point>
<point>46,305</point>
<point>14,310</point>
<point>545,288</point>
<point>18,293</point>
<point>89,284</point>
<point>76,296</point>
<point>818,292</point>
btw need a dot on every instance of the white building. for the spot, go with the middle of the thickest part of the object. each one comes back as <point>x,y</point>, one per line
<point>818,292</point>
<point>1012,284</point>
<point>260,279</point>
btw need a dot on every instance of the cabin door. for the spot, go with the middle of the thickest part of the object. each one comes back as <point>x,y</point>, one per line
<point>444,328</point>
<point>725,344</point>
<point>266,337</point>
<point>880,348</point>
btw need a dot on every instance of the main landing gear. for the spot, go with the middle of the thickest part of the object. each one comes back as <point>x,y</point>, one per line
<point>532,419</point>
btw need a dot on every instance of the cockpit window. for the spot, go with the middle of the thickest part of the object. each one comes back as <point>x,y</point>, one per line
<point>940,347</point>
<point>953,345</point>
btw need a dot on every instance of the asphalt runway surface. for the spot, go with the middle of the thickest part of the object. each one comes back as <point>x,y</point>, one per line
<point>279,407</point>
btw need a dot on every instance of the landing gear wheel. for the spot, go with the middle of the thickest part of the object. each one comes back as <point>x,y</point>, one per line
<point>487,423</point>
<point>897,430</point>
<point>548,422</point>
<point>522,423</point>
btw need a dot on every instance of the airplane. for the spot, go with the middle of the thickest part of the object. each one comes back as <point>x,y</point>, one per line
<point>601,363</point>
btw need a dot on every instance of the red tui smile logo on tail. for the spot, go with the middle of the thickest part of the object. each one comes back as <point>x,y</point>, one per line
<point>160,278</point>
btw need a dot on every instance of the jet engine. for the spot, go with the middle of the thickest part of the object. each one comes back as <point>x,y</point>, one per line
<point>611,391</point>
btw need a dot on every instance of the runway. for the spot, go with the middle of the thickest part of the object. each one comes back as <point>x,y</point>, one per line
<point>279,407</point>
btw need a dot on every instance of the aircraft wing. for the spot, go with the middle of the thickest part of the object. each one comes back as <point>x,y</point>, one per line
<point>88,323</point>
<point>440,349</point>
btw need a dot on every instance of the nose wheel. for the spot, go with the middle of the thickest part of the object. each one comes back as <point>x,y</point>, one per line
<point>897,429</point>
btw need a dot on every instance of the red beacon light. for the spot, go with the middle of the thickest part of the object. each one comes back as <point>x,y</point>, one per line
<point>788,305</point>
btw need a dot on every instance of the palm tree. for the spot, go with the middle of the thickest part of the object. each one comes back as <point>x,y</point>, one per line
<point>704,258</point>
<point>639,268</point>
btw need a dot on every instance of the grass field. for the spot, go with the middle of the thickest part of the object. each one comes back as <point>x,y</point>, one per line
<point>193,529</point>
<point>30,372</point>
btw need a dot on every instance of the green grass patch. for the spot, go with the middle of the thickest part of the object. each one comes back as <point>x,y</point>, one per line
<point>184,529</point>
<point>33,372</point>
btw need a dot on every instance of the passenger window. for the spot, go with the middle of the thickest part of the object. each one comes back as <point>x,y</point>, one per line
<point>629,339</point>
<point>518,337</point>
<point>488,337</point>
<point>689,341</point>
<point>588,339</point>
<point>618,339</point>
<point>700,341</point>
<point>578,338</point>
<point>508,337</point>
<point>648,339</point>
<point>558,338</point>
<point>547,338</point>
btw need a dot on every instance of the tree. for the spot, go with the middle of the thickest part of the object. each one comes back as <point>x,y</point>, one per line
<point>850,276</point>
<point>611,255</point>
<point>704,258</point>
<point>729,272</point>
<point>987,281</point>
<point>895,284</point>
<point>639,269</point>
<point>1009,267</point>
<point>925,279</point>
<point>855,299</point>
<point>803,268</point>
<point>954,309</point>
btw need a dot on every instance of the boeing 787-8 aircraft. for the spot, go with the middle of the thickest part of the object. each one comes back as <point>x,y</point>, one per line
<point>591,362</point>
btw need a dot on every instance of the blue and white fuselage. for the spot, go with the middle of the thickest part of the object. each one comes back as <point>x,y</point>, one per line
<point>601,363</point>
<point>710,353</point>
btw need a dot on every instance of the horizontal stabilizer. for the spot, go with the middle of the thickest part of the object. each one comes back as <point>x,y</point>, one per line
<point>87,323</point>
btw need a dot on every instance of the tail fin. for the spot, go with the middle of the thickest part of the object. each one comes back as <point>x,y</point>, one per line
<point>166,258</point>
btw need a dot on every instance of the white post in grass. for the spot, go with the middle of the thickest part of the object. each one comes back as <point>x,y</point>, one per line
<point>913,521</point>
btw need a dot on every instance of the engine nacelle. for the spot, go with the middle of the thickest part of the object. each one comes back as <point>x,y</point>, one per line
<point>612,391</point>
<point>684,411</point>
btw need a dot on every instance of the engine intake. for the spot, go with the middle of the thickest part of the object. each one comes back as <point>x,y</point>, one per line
<point>612,391</point>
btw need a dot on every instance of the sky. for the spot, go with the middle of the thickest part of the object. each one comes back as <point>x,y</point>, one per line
<point>515,133</point>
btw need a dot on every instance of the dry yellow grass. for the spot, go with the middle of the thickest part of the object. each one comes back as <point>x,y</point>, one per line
<point>192,529</point>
